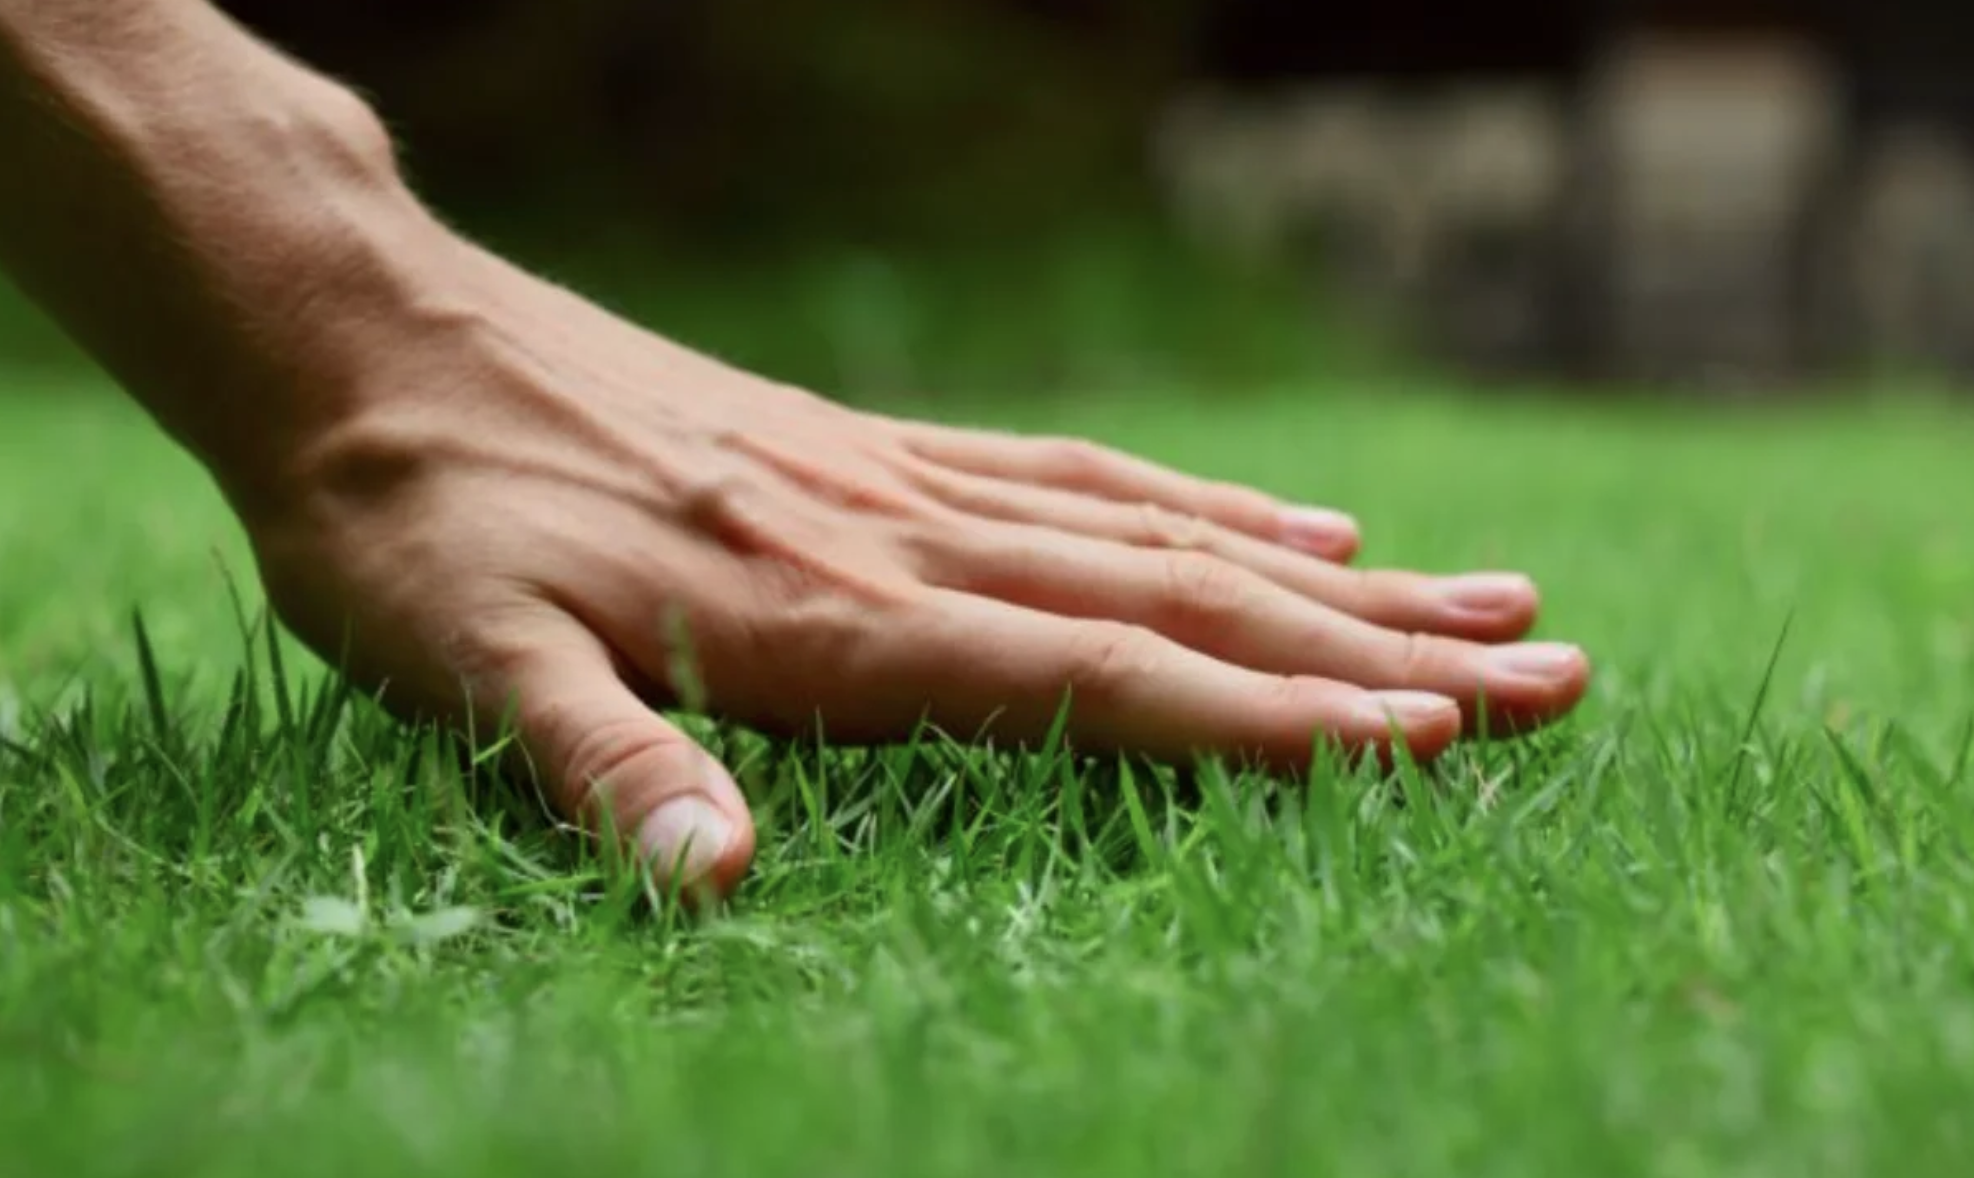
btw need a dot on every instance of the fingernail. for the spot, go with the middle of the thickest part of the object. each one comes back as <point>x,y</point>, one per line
<point>1485,592</point>
<point>684,838</point>
<point>1536,660</point>
<point>1318,530</point>
<point>1410,707</point>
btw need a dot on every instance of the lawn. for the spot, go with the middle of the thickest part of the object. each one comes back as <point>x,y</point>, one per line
<point>1721,923</point>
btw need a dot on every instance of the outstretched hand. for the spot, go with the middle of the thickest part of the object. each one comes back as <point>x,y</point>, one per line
<point>528,502</point>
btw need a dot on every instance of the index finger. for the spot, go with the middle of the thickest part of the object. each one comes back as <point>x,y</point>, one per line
<point>1073,464</point>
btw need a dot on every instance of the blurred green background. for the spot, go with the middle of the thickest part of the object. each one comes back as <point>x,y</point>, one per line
<point>908,197</point>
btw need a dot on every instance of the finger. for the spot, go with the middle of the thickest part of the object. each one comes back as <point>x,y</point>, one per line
<point>611,763</point>
<point>1235,616</point>
<point>1072,464</point>
<point>976,666</point>
<point>1484,607</point>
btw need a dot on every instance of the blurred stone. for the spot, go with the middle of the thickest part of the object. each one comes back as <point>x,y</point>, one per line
<point>1270,177</point>
<point>1911,249</point>
<point>1490,183</point>
<point>1732,207</point>
<point>1707,158</point>
<point>1437,210</point>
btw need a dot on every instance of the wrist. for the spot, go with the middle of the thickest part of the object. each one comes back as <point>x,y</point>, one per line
<point>314,286</point>
<point>284,278</point>
<point>211,221</point>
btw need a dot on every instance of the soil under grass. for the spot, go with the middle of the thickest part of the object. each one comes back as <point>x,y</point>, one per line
<point>1721,923</point>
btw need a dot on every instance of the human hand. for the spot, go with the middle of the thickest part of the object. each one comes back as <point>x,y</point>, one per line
<point>522,502</point>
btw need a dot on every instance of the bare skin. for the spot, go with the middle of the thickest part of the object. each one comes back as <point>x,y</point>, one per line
<point>496,502</point>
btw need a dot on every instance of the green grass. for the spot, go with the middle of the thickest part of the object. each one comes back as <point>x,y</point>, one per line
<point>1721,924</point>
<point>1116,304</point>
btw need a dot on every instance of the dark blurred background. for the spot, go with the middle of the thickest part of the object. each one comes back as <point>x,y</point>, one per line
<point>891,196</point>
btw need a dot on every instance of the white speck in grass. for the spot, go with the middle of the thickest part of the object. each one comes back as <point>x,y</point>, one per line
<point>429,928</point>
<point>332,916</point>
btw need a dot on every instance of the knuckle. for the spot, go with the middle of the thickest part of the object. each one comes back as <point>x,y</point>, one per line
<point>490,657</point>
<point>1106,658</point>
<point>596,755</point>
<point>1158,527</point>
<point>1202,590</point>
<point>1079,461</point>
<point>1421,659</point>
<point>1291,702</point>
<point>715,500</point>
<point>939,544</point>
<point>867,493</point>
<point>902,499</point>
<point>846,477</point>
<point>952,492</point>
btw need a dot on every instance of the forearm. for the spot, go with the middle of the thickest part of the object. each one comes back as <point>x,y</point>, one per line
<point>197,211</point>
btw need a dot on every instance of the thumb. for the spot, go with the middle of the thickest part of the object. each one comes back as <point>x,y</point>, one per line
<point>609,762</point>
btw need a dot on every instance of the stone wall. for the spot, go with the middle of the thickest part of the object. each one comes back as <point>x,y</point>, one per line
<point>1731,209</point>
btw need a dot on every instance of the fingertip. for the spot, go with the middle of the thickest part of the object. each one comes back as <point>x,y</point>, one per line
<point>1424,721</point>
<point>1528,685</point>
<point>1410,708</point>
<point>616,766</point>
<point>1321,532</point>
<point>700,840</point>
<point>1487,607</point>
